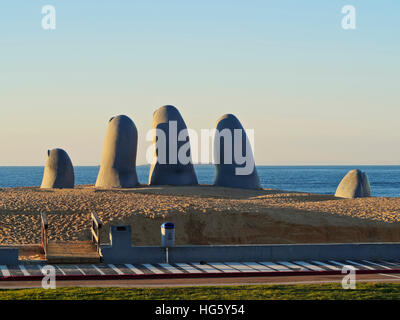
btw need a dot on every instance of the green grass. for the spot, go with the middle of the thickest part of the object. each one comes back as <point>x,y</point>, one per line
<point>264,292</point>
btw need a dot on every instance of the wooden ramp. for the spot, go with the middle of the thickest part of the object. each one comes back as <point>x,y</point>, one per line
<point>72,252</point>
<point>78,252</point>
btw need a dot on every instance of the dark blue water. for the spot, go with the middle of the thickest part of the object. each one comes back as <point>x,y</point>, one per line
<point>385,180</point>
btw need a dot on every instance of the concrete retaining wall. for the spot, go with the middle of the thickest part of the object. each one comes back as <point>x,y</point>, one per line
<point>8,256</point>
<point>121,250</point>
<point>238,253</point>
<point>133,255</point>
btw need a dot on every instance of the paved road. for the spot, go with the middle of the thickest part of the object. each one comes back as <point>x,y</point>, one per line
<point>181,274</point>
<point>144,283</point>
<point>199,269</point>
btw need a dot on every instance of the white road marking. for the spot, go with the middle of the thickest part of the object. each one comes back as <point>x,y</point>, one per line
<point>80,270</point>
<point>62,271</point>
<point>24,271</point>
<point>326,265</point>
<point>309,266</point>
<point>134,269</point>
<point>115,269</point>
<point>391,263</point>
<point>293,266</point>
<point>41,269</point>
<point>359,264</point>
<point>153,268</point>
<point>206,268</point>
<point>223,267</point>
<point>170,268</point>
<point>241,267</point>
<point>5,271</point>
<point>377,264</point>
<point>188,268</point>
<point>258,267</point>
<point>275,266</point>
<point>98,269</point>
<point>343,265</point>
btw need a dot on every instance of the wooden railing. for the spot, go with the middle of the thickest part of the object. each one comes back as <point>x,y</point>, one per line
<point>95,230</point>
<point>44,227</point>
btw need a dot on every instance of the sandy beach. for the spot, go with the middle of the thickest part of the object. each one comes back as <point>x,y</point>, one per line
<point>202,214</point>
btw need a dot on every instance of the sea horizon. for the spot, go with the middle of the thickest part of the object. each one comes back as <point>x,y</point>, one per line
<point>320,179</point>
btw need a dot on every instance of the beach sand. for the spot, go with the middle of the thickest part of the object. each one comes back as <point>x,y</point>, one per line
<point>202,215</point>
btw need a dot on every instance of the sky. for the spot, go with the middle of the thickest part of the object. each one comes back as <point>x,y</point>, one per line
<point>313,92</point>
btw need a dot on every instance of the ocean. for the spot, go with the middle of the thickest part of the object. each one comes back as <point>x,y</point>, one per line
<point>385,180</point>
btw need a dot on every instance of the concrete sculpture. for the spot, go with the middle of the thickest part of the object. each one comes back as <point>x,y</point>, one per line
<point>234,169</point>
<point>118,163</point>
<point>355,184</point>
<point>170,166</point>
<point>58,172</point>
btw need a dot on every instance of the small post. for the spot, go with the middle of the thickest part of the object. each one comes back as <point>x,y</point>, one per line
<point>167,237</point>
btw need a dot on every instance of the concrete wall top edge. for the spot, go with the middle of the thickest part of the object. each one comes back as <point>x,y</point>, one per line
<point>267,245</point>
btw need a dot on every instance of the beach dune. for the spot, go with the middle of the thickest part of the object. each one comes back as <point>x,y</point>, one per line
<point>202,215</point>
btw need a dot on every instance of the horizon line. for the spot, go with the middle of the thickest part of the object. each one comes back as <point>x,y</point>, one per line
<point>257,165</point>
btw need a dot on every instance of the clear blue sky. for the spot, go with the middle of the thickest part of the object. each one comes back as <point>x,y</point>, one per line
<point>313,92</point>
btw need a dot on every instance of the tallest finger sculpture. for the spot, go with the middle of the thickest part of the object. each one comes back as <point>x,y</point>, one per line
<point>171,163</point>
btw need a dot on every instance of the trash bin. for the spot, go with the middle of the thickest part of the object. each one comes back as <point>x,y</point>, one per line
<point>167,234</point>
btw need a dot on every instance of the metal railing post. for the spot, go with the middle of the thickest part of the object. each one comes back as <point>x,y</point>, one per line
<point>95,230</point>
<point>44,227</point>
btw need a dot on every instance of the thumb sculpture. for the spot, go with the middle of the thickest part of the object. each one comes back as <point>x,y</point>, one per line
<point>58,171</point>
<point>355,184</point>
<point>118,162</point>
<point>171,163</point>
<point>233,157</point>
